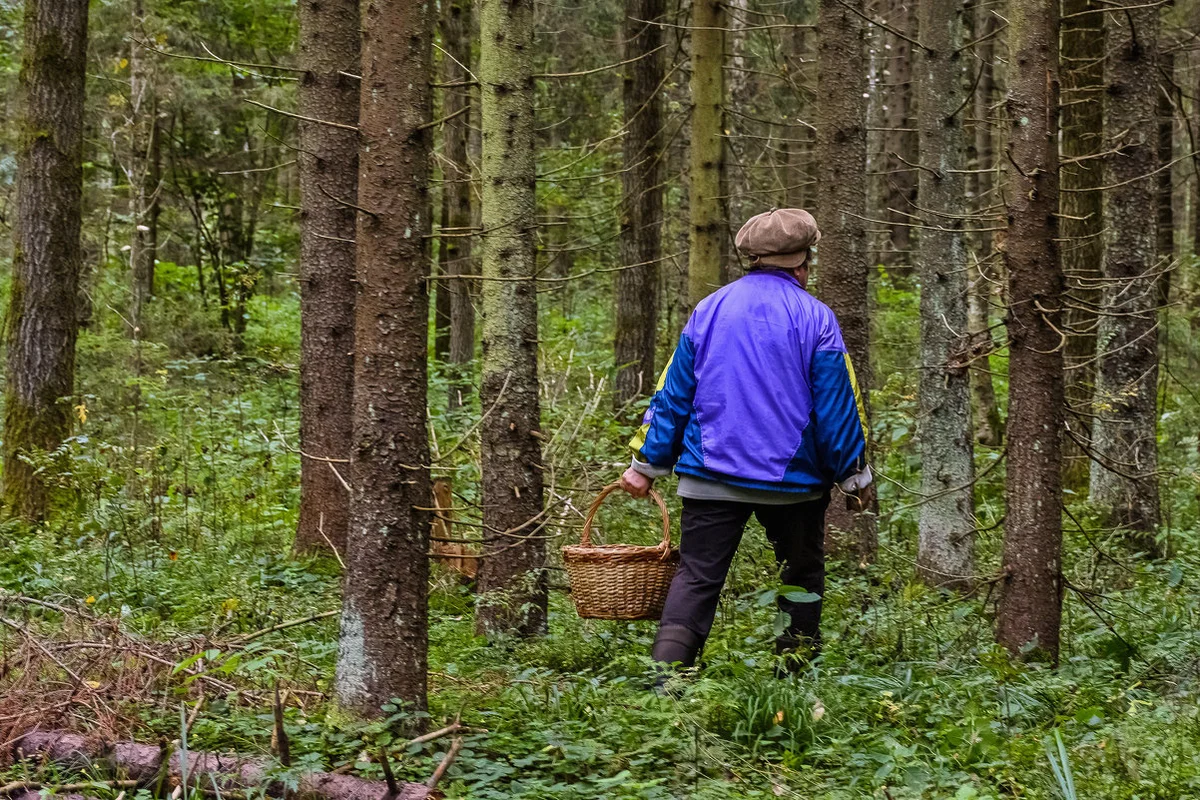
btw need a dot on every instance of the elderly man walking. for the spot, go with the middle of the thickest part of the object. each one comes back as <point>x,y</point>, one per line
<point>758,413</point>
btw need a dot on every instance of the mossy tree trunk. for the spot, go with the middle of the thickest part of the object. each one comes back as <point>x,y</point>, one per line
<point>1030,608</point>
<point>707,218</point>
<point>329,52</point>
<point>511,580</point>
<point>642,203</point>
<point>842,272</point>
<point>383,642</point>
<point>1124,478</point>
<point>47,255</point>
<point>946,523</point>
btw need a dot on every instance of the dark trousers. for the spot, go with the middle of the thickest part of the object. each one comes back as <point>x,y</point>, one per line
<point>711,533</point>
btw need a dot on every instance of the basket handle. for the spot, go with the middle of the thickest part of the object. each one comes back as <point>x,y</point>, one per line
<point>586,539</point>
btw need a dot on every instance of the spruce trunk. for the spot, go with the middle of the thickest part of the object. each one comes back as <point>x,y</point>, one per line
<point>1082,61</point>
<point>1030,607</point>
<point>1124,481</point>
<point>989,430</point>
<point>457,208</point>
<point>47,254</point>
<point>642,204</point>
<point>384,627</point>
<point>329,47</point>
<point>511,580</point>
<point>841,266</point>
<point>946,524</point>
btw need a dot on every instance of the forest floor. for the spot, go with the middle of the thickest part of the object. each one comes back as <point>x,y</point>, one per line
<point>176,550</point>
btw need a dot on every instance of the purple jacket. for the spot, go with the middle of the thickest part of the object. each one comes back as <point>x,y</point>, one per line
<point>760,393</point>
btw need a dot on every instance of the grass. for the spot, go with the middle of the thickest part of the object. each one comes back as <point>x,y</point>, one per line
<point>179,496</point>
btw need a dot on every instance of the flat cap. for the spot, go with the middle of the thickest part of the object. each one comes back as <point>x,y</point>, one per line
<point>780,237</point>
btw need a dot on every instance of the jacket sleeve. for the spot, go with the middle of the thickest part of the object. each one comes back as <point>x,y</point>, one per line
<point>659,442</point>
<point>839,416</point>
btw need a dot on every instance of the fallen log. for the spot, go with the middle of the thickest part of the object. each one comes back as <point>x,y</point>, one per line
<point>144,763</point>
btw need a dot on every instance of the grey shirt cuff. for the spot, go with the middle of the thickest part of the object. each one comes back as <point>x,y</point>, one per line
<point>649,470</point>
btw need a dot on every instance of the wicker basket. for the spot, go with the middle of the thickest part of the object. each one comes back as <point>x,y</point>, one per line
<point>620,581</point>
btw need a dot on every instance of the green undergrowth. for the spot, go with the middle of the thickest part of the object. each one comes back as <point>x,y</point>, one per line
<point>177,505</point>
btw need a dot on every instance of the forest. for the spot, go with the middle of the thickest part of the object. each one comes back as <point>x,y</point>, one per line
<point>327,323</point>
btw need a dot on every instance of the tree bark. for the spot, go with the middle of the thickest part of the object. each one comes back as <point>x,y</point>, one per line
<point>842,270</point>
<point>1082,61</point>
<point>329,47</point>
<point>708,223</point>
<point>946,524</point>
<point>511,580</point>
<point>642,204</point>
<point>1124,481</point>
<point>384,628</point>
<point>899,140</point>
<point>47,255</point>
<point>143,173</point>
<point>1030,606</point>
<point>989,430</point>
<point>457,215</point>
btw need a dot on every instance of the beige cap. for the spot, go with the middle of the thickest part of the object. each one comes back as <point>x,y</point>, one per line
<point>780,237</point>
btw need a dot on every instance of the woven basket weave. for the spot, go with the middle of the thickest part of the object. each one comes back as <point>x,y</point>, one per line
<point>620,581</point>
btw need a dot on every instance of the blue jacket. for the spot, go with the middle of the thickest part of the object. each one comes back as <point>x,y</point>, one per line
<point>760,393</point>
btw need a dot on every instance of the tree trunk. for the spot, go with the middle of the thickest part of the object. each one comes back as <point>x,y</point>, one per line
<point>841,265</point>
<point>1164,184</point>
<point>1082,61</point>
<point>989,430</point>
<point>47,256</point>
<point>1124,480</point>
<point>1030,606</point>
<point>708,223</point>
<point>642,206</point>
<point>511,580</point>
<point>946,547</point>
<point>899,139</point>
<point>143,173</point>
<point>383,643</point>
<point>329,46</point>
<point>457,216</point>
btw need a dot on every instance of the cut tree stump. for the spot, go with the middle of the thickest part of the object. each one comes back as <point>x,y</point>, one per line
<point>143,763</point>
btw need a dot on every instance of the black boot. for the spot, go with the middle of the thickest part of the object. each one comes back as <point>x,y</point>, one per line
<point>797,651</point>
<point>674,644</point>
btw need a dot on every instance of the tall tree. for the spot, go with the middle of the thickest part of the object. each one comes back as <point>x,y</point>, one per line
<point>383,643</point>
<point>1030,607</point>
<point>47,255</point>
<point>144,173</point>
<point>329,52</point>
<point>898,139</point>
<point>842,271</point>
<point>708,224</point>
<point>457,23</point>
<point>1124,477</point>
<point>945,552</point>
<point>988,428</point>
<point>511,579</point>
<point>642,202</point>
<point>1082,60</point>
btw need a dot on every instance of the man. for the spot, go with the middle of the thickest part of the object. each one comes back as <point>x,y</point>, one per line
<point>758,412</point>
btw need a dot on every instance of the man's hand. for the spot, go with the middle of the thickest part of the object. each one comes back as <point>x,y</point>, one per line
<point>635,483</point>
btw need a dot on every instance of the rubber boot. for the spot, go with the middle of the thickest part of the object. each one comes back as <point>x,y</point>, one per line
<point>673,645</point>
<point>798,651</point>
